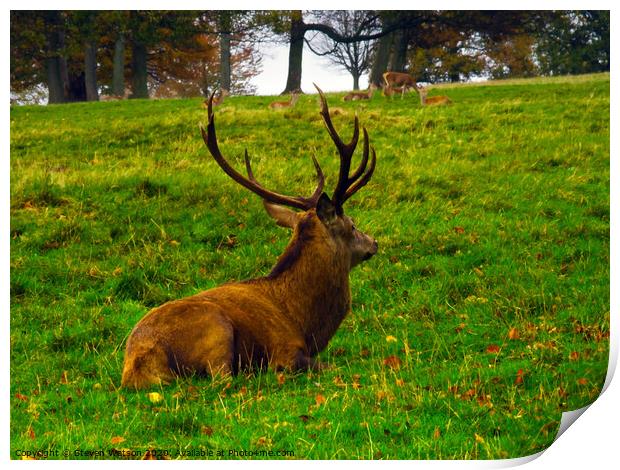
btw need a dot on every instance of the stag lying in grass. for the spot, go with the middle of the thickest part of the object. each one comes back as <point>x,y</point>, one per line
<point>360,95</point>
<point>282,320</point>
<point>285,104</point>
<point>432,100</point>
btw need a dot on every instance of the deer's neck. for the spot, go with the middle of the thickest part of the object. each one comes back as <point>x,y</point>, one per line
<point>311,282</point>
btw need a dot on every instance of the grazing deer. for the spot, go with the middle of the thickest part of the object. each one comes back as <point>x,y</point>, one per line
<point>217,100</point>
<point>285,104</point>
<point>281,320</point>
<point>361,95</point>
<point>399,80</point>
<point>433,100</point>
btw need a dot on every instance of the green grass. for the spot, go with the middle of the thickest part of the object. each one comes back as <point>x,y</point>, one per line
<point>491,285</point>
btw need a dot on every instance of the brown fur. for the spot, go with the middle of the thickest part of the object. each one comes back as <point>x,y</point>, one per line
<point>281,320</point>
<point>433,100</point>
<point>285,104</point>
<point>360,95</point>
<point>398,81</point>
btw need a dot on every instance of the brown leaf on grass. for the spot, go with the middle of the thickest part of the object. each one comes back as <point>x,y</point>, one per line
<point>31,433</point>
<point>400,382</point>
<point>319,399</point>
<point>206,430</point>
<point>574,355</point>
<point>117,440</point>
<point>492,348</point>
<point>21,397</point>
<point>513,333</point>
<point>519,379</point>
<point>356,381</point>
<point>460,328</point>
<point>338,352</point>
<point>479,438</point>
<point>281,378</point>
<point>338,382</point>
<point>459,230</point>
<point>468,394</point>
<point>582,381</point>
<point>64,378</point>
<point>393,362</point>
<point>436,433</point>
<point>365,352</point>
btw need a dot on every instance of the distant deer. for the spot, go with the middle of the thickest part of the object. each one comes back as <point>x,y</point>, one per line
<point>285,104</point>
<point>124,96</point>
<point>281,320</point>
<point>361,95</point>
<point>217,100</point>
<point>433,100</point>
<point>399,80</point>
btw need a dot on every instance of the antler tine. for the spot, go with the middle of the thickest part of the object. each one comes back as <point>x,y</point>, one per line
<point>363,180</point>
<point>364,162</point>
<point>309,201</point>
<point>344,188</point>
<point>251,183</point>
<point>210,105</point>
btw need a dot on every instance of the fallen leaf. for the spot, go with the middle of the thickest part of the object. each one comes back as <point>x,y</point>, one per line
<point>459,230</point>
<point>206,430</point>
<point>393,362</point>
<point>21,397</point>
<point>493,348</point>
<point>513,333</point>
<point>574,356</point>
<point>31,433</point>
<point>582,381</point>
<point>479,438</point>
<point>400,382</point>
<point>459,328</point>
<point>390,339</point>
<point>63,377</point>
<point>281,378</point>
<point>338,382</point>
<point>478,272</point>
<point>519,379</point>
<point>117,440</point>
<point>436,433</point>
<point>155,397</point>
<point>319,399</point>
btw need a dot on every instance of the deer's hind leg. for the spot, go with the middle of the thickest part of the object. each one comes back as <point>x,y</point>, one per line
<point>214,350</point>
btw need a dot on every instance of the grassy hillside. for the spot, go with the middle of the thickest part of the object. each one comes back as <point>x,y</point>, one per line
<point>483,317</point>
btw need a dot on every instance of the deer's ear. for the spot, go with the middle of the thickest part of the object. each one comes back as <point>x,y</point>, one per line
<point>325,209</point>
<point>283,216</point>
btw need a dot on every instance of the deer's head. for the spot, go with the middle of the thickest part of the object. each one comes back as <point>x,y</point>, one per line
<point>323,217</point>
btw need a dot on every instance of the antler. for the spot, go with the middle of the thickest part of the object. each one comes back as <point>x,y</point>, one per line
<point>348,184</point>
<point>250,182</point>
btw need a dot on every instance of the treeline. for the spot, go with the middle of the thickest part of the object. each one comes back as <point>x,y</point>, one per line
<point>81,55</point>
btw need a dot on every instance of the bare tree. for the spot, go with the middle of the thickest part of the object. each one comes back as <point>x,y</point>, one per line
<point>355,57</point>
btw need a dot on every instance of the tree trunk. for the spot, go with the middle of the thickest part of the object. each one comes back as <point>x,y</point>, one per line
<point>380,64</point>
<point>139,71</point>
<point>76,87</point>
<point>225,33</point>
<point>398,60</point>
<point>54,62</point>
<point>118,70</point>
<point>356,80</point>
<point>296,49</point>
<point>90,71</point>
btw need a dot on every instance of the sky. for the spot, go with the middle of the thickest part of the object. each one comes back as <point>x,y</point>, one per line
<point>272,79</point>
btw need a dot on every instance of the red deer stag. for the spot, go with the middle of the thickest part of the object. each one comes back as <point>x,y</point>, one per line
<point>285,104</point>
<point>432,100</point>
<point>360,95</point>
<point>398,80</point>
<point>281,320</point>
